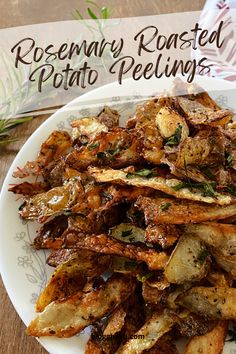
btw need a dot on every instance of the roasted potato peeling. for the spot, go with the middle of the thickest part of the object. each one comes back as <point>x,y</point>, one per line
<point>140,224</point>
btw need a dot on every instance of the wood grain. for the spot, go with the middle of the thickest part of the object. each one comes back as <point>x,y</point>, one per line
<point>13,339</point>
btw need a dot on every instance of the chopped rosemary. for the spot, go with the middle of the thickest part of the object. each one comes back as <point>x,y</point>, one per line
<point>93,146</point>
<point>230,189</point>
<point>228,159</point>
<point>206,188</point>
<point>176,137</point>
<point>101,154</point>
<point>144,277</point>
<point>165,206</point>
<point>202,256</point>
<point>142,173</point>
<point>207,172</point>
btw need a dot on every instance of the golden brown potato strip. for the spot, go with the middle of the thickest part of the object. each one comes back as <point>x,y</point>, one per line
<point>175,211</point>
<point>71,276</point>
<point>209,343</point>
<point>55,146</point>
<point>221,238</point>
<point>214,302</point>
<point>163,235</point>
<point>108,245</point>
<point>28,189</point>
<point>188,262</point>
<point>66,317</point>
<point>168,186</point>
<point>115,321</point>
<point>149,333</point>
<point>117,148</point>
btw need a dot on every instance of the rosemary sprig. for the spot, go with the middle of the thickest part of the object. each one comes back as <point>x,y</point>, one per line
<point>142,173</point>
<point>5,127</point>
<point>206,188</point>
<point>102,12</point>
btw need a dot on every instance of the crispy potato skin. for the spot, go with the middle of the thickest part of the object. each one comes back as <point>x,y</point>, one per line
<point>55,146</point>
<point>166,185</point>
<point>213,302</point>
<point>152,330</point>
<point>116,148</point>
<point>144,124</point>
<point>50,234</point>
<point>221,239</point>
<point>108,245</point>
<point>209,343</point>
<point>58,256</point>
<point>115,322</point>
<point>66,317</point>
<point>71,276</point>
<point>28,189</point>
<point>197,113</point>
<point>188,261</point>
<point>181,211</point>
<point>162,234</point>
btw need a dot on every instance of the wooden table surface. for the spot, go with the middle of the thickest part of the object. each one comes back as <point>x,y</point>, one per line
<point>13,339</point>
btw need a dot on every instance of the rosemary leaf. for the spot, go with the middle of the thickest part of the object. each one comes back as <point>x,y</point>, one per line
<point>91,14</point>
<point>165,206</point>
<point>142,173</point>
<point>144,277</point>
<point>176,137</point>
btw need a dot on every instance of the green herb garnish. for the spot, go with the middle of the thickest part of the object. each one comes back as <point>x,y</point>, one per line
<point>101,154</point>
<point>6,125</point>
<point>144,277</point>
<point>207,172</point>
<point>228,159</point>
<point>165,206</point>
<point>102,12</point>
<point>230,189</point>
<point>126,233</point>
<point>142,173</point>
<point>202,256</point>
<point>207,189</point>
<point>93,146</point>
<point>113,152</point>
<point>176,137</point>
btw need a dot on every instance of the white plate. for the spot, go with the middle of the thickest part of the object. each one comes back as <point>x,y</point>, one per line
<point>24,271</point>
